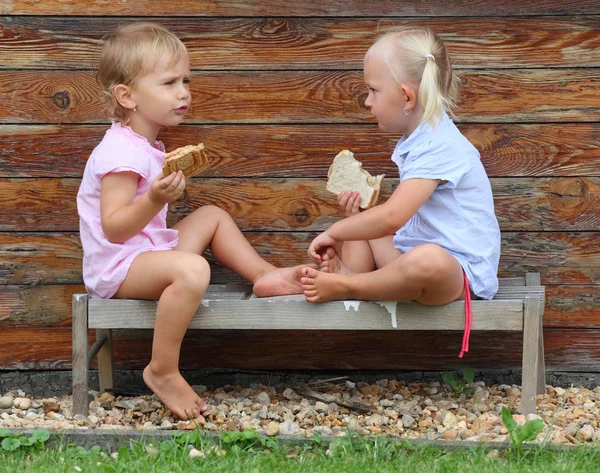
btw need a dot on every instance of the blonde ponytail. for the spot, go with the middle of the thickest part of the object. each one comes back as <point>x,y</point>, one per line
<point>418,56</point>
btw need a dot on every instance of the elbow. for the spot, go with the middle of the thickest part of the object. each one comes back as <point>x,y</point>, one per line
<point>392,221</point>
<point>112,234</point>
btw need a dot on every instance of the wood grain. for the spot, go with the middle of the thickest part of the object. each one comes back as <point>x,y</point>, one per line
<point>562,258</point>
<point>264,204</point>
<point>574,306</point>
<point>513,150</point>
<point>308,43</point>
<point>567,306</point>
<point>217,8</point>
<point>547,95</point>
<point>566,350</point>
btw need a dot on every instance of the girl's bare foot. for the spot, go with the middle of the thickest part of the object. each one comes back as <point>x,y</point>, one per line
<point>280,282</point>
<point>331,263</point>
<point>320,286</point>
<point>175,393</point>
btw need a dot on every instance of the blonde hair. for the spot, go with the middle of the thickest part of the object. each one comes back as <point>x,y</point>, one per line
<point>128,54</point>
<point>418,56</point>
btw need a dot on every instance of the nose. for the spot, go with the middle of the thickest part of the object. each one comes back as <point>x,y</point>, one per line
<point>368,101</point>
<point>183,92</point>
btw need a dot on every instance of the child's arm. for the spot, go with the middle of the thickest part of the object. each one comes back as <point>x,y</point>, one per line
<point>122,218</point>
<point>378,221</point>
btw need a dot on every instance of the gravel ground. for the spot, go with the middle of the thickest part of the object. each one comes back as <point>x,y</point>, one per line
<point>407,410</point>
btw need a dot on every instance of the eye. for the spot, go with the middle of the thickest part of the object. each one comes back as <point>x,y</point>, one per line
<point>372,90</point>
<point>187,80</point>
<point>170,82</point>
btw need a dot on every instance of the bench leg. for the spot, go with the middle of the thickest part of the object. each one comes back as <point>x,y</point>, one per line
<point>80,354</point>
<point>534,279</point>
<point>105,360</point>
<point>541,375</point>
<point>531,354</point>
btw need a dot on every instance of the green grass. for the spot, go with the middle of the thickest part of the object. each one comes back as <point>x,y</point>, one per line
<point>250,453</point>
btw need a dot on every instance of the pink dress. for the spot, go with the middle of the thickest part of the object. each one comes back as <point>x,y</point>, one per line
<point>105,264</point>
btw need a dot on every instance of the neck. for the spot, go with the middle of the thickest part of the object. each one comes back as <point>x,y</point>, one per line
<point>143,128</point>
<point>413,121</point>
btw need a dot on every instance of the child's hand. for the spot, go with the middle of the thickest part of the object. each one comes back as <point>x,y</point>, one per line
<point>165,190</point>
<point>349,202</point>
<point>320,244</point>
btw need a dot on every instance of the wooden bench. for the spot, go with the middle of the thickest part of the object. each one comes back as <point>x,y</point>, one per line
<point>518,306</point>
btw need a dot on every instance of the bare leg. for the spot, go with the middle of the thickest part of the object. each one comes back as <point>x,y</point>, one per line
<point>178,280</point>
<point>212,226</point>
<point>427,274</point>
<point>360,256</point>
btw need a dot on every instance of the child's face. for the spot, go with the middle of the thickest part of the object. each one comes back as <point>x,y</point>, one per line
<point>386,98</point>
<point>162,97</point>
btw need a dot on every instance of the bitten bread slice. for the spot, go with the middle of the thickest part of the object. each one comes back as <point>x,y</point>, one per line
<point>347,174</point>
<point>190,159</point>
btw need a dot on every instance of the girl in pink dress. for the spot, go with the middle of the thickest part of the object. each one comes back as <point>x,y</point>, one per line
<point>128,251</point>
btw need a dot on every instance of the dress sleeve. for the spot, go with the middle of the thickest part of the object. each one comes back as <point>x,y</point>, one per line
<point>121,155</point>
<point>445,162</point>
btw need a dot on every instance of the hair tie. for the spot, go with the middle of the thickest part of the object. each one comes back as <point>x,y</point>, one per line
<point>427,56</point>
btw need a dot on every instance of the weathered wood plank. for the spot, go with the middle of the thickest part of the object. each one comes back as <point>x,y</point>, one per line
<point>42,306</point>
<point>566,349</point>
<point>513,150</point>
<point>309,96</point>
<point>295,313</point>
<point>575,306</point>
<point>40,258</point>
<point>216,8</point>
<point>32,259</point>
<point>308,43</point>
<point>522,204</point>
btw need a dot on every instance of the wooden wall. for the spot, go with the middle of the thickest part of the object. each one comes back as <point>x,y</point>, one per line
<point>277,92</point>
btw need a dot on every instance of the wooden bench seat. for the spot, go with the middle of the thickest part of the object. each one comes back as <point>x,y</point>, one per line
<point>518,306</point>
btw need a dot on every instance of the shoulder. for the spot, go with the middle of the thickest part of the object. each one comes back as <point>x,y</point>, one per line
<point>117,151</point>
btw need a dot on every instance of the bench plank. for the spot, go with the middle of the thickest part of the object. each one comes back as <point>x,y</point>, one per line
<point>50,306</point>
<point>294,313</point>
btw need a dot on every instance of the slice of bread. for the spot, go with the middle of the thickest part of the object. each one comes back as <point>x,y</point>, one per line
<point>190,159</point>
<point>347,174</point>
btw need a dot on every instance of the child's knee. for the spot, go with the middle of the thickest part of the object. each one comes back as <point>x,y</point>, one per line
<point>193,273</point>
<point>213,212</point>
<point>430,262</point>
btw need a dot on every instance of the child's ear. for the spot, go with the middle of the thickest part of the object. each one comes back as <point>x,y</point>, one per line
<point>410,95</point>
<point>123,95</point>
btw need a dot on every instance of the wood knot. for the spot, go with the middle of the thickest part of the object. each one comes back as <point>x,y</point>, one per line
<point>301,215</point>
<point>570,196</point>
<point>61,100</point>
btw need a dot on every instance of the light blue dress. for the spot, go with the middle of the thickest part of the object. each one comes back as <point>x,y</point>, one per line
<point>459,215</point>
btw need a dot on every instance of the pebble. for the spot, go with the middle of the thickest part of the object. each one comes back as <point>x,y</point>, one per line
<point>289,428</point>
<point>6,402</point>
<point>263,398</point>
<point>407,421</point>
<point>272,428</point>
<point>22,403</point>
<point>405,410</point>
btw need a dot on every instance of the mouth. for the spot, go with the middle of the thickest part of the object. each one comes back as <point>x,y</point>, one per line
<point>182,109</point>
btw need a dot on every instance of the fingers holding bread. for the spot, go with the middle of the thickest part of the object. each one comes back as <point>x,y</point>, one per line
<point>347,174</point>
<point>349,203</point>
<point>190,160</point>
